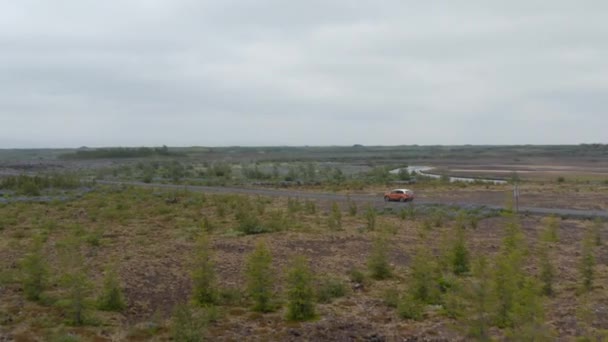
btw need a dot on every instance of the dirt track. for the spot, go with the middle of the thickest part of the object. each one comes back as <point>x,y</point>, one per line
<point>369,199</point>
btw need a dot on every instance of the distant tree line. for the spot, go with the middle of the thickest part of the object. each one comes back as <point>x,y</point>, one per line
<point>119,152</point>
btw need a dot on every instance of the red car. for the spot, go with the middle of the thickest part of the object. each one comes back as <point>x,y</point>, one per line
<point>401,195</point>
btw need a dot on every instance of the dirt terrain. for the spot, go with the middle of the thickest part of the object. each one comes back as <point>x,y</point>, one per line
<point>148,232</point>
<point>152,241</point>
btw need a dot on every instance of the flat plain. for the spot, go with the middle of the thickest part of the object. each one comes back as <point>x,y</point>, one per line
<point>150,238</point>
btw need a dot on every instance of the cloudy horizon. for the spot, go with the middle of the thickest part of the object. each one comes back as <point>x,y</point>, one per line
<point>252,73</point>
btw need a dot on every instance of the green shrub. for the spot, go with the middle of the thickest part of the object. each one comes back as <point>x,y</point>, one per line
<point>276,221</point>
<point>75,284</point>
<point>334,221</point>
<point>112,298</point>
<point>479,302</point>
<point>528,314</point>
<point>473,221</point>
<point>77,303</point>
<point>550,232</point>
<point>370,218</point>
<point>459,256</point>
<point>390,297</point>
<point>356,276</point>
<point>330,288</point>
<point>352,207</point>
<point>585,317</point>
<point>438,217</point>
<point>260,206</point>
<point>300,291</point>
<point>410,308</point>
<point>453,304</point>
<point>377,262</point>
<point>203,274</point>
<point>188,324</point>
<point>260,278</point>
<point>460,259</point>
<point>461,220</point>
<point>206,225</point>
<point>408,212</point>
<point>587,263</point>
<point>220,209</point>
<point>547,272</point>
<point>293,206</point>
<point>446,282</point>
<point>425,279</point>
<point>30,189</point>
<point>310,207</point>
<point>507,277</point>
<point>35,272</point>
<point>94,238</point>
<point>508,272</point>
<point>249,222</point>
<point>514,240</point>
<point>147,177</point>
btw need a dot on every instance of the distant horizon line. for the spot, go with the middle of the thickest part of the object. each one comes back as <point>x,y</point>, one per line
<point>293,146</point>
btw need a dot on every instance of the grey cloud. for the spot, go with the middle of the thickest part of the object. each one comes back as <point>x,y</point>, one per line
<point>318,72</point>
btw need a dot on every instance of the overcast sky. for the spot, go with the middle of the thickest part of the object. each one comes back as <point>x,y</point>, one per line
<point>214,73</point>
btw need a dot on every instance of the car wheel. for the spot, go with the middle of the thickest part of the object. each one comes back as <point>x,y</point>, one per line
<point>402,199</point>
<point>386,199</point>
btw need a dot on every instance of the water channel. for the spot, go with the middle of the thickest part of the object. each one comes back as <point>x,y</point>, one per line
<point>424,171</point>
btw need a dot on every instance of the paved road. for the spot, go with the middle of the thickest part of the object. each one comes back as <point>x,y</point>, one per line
<point>370,199</point>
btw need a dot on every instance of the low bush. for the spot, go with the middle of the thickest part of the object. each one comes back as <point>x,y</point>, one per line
<point>357,276</point>
<point>300,291</point>
<point>390,298</point>
<point>329,289</point>
<point>249,222</point>
<point>35,272</point>
<point>370,218</point>
<point>310,207</point>
<point>76,301</point>
<point>547,271</point>
<point>188,324</point>
<point>260,278</point>
<point>550,231</point>
<point>408,212</point>
<point>112,298</point>
<point>352,207</point>
<point>587,263</point>
<point>410,308</point>
<point>377,262</point>
<point>459,254</point>
<point>425,278</point>
<point>204,290</point>
<point>334,221</point>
